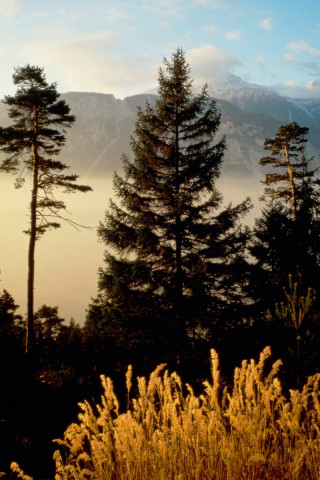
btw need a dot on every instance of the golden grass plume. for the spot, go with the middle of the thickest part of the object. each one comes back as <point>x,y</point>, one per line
<point>249,432</point>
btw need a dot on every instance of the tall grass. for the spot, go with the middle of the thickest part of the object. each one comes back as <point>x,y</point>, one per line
<point>251,432</point>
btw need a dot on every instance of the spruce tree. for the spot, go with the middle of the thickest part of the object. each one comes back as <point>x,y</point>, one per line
<point>30,143</point>
<point>173,254</point>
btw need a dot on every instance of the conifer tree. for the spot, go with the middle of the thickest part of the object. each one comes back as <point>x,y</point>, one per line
<point>174,256</point>
<point>287,155</point>
<point>10,321</point>
<point>30,143</point>
<point>286,237</point>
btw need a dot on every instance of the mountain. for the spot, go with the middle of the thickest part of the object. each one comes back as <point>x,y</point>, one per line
<point>251,98</point>
<point>238,92</point>
<point>250,114</point>
<point>101,133</point>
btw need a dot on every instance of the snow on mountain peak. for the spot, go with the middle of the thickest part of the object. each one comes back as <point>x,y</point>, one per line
<point>230,87</point>
<point>235,90</point>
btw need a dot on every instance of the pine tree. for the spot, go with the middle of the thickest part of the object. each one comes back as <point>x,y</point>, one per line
<point>35,136</point>
<point>287,153</point>
<point>286,237</point>
<point>49,323</point>
<point>10,321</point>
<point>173,253</point>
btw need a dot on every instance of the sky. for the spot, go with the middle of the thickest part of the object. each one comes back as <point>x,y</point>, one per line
<point>117,46</point>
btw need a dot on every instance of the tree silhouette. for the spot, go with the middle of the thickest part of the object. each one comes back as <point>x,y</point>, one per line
<point>30,143</point>
<point>286,238</point>
<point>174,257</point>
<point>287,155</point>
<point>10,321</point>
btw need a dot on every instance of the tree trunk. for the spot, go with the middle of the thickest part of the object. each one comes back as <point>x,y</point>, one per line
<point>32,242</point>
<point>178,246</point>
<point>293,187</point>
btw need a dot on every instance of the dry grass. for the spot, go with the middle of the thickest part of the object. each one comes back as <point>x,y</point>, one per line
<point>168,433</point>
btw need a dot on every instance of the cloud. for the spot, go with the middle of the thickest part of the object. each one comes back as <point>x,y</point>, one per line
<point>57,38</point>
<point>288,57</point>
<point>266,24</point>
<point>209,63</point>
<point>233,35</point>
<point>295,90</point>
<point>212,3</point>
<point>300,47</point>
<point>87,62</point>
<point>210,29</point>
<point>312,67</point>
<point>165,8</point>
<point>8,8</point>
<point>164,25</point>
<point>116,13</point>
<point>261,60</point>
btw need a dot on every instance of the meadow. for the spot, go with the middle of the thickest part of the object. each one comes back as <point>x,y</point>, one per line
<point>251,430</point>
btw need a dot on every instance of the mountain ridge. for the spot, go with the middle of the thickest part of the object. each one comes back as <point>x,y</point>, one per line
<point>250,114</point>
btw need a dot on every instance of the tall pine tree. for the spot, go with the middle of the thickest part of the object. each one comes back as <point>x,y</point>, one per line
<point>288,157</point>
<point>35,136</point>
<point>174,257</point>
<point>286,237</point>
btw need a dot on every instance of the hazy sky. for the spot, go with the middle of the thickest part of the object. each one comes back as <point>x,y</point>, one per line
<point>117,46</point>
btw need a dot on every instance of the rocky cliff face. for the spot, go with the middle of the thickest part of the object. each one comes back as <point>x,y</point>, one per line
<point>101,133</point>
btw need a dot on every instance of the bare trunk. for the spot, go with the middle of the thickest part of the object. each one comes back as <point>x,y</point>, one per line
<point>32,242</point>
<point>293,188</point>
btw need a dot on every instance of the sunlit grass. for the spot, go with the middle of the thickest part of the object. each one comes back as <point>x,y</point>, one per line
<point>251,432</point>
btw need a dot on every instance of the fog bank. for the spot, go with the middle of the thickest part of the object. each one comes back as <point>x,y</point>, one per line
<point>67,260</point>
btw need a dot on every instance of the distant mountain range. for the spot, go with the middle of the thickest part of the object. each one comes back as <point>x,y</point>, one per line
<point>250,114</point>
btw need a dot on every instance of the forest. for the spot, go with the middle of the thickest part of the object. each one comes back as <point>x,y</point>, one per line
<point>186,292</point>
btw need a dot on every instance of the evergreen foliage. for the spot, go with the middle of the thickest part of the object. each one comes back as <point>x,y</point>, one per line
<point>48,321</point>
<point>286,243</point>
<point>174,265</point>
<point>287,154</point>
<point>286,237</point>
<point>30,144</point>
<point>10,322</point>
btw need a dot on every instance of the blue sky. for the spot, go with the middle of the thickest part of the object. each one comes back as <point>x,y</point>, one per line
<point>117,46</point>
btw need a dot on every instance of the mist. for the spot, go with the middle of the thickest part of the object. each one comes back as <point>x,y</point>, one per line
<point>67,260</point>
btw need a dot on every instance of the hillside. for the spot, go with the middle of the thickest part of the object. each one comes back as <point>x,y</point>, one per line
<point>101,133</point>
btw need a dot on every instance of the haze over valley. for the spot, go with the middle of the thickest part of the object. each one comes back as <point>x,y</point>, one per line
<point>67,260</point>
